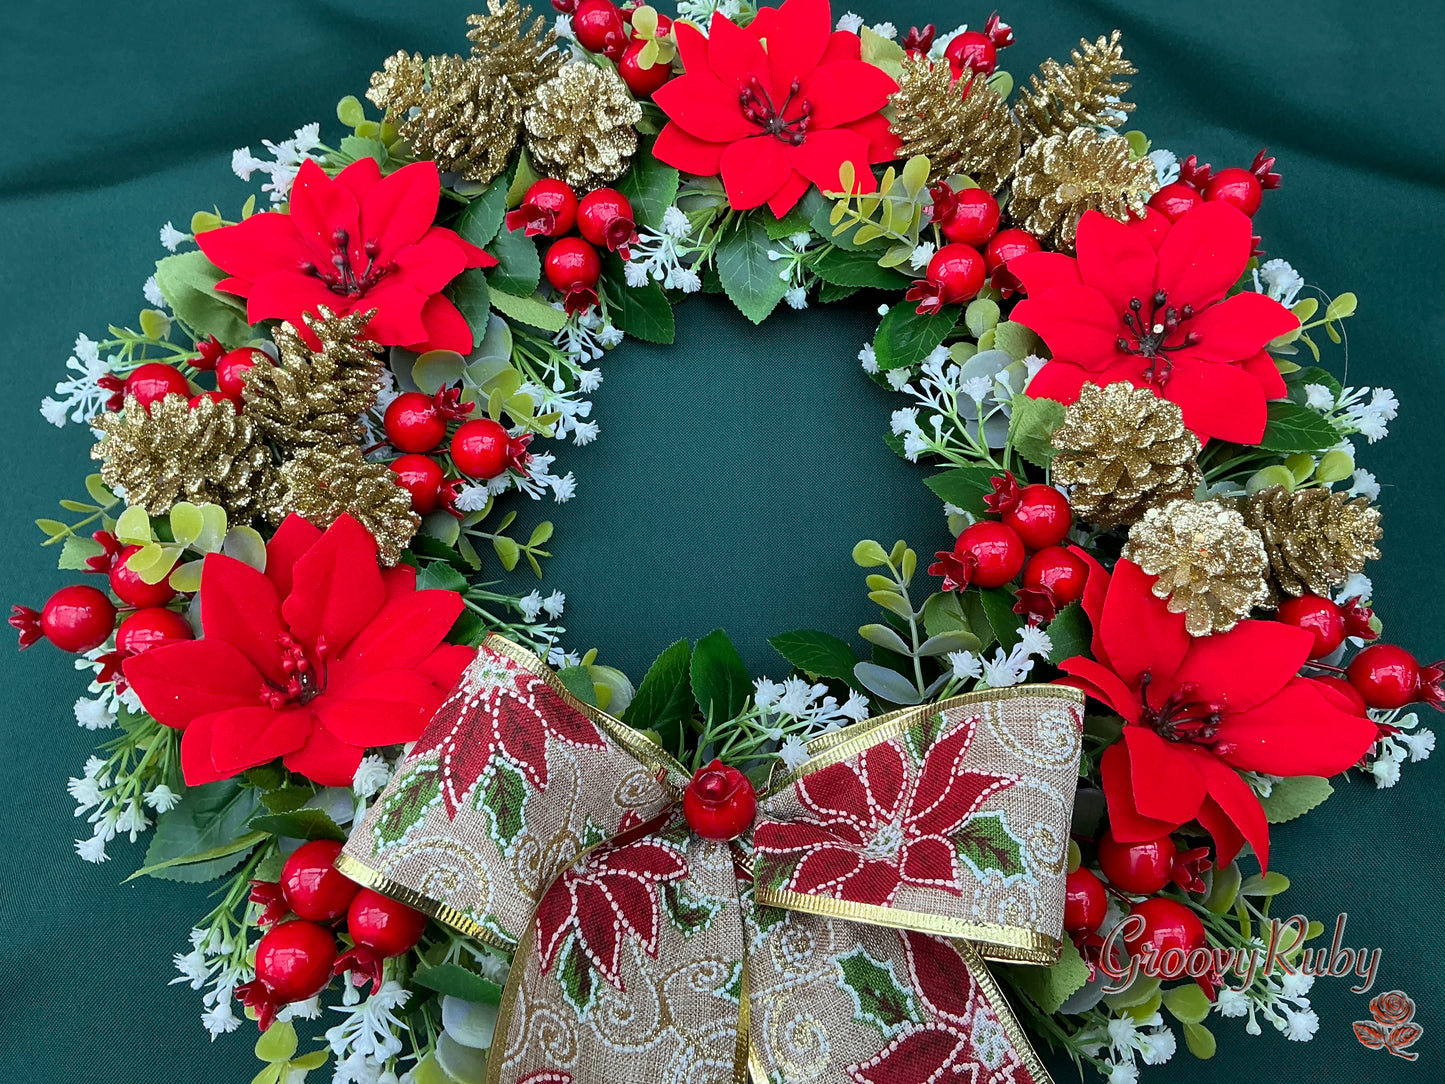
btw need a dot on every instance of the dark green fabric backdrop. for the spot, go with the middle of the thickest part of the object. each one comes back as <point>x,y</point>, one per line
<point>735,471</point>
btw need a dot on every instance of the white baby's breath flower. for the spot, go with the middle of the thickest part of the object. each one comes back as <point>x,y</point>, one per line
<point>92,849</point>
<point>373,773</point>
<point>94,714</point>
<point>152,292</point>
<point>173,238</point>
<point>162,799</point>
<point>794,751</point>
<point>1319,397</point>
<point>919,258</point>
<point>965,664</point>
<point>530,605</point>
<point>554,603</point>
<point>868,359</point>
<point>850,23</point>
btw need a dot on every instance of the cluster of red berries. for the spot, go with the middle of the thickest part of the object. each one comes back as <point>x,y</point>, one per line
<point>1239,187</point>
<point>974,51</point>
<point>155,380</point>
<point>600,26</point>
<point>572,265</point>
<point>976,251</point>
<point>295,959</point>
<point>1027,538</point>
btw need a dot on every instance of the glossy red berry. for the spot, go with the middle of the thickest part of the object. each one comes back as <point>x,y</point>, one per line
<point>77,618</point>
<point>293,960</point>
<point>597,25</point>
<point>1085,901</point>
<point>573,268</point>
<point>1237,187</point>
<point>1041,516</point>
<point>155,380</point>
<point>314,888</point>
<point>383,924</point>
<point>972,51</point>
<point>1318,616</point>
<point>479,448</point>
<point>422,477</point>
<point>549,209</point>
<point>1175,200</point>
<point>958,271</point>
<point>413,423</point>
<point>1168,924</point>
<point>154,626</point>
<point>1386,676</point>
<point>720,802</point>
<point>973,219</point>
<point>643,82</point>
<point>1006,245</point>
<point>1061,572</point>
<point>604,218</point>
<point>215,397</point>
<point>131,589</point>
<point>232,368</point>
<point>1137,868</point>
<point>993,552</point>
<point>1345,696</point>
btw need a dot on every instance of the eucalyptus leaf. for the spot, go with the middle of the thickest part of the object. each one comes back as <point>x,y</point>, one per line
<point>945,642</point>
<point>886,684</point>
<point>884,637</point>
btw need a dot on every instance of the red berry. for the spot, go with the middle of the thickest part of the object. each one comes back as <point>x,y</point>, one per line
<point>77,618</point>
<point>572,264</point>
<point>155,380</point>
<point>1237,187</point>
<point>598,28</point>
<point>1137,868</point>
<point>958,271</point>
<point>1006,244</point>
<point>1386,676</point>
<point>314,888</point>
<point>1062,572</point>
<point>232,368</point>
<point>1318,616</point>
<point>993,552</point>
<point>479,448</point>
<point>131,589</point>
<point>549,209</point>
<point>1167,925</point>
<point>215,397</point>
<point>972,51</point>
<point>152,627</point>
<point>604,218</point>
<point>422,477</point>
<point>643,82</point>
<point>1175,200</point>
<point>293,960</point>
<point>1042,516</point>
<point>413,423</point>
<point>383,924</point>
<point>720,802</point>
<point>974,219</point>
<point>1085,901</point>
<point>1345,696</point>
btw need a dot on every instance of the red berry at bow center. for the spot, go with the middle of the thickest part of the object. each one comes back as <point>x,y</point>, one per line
<point>312,885</point>
<point>155,380</point>
<point>720,802</point>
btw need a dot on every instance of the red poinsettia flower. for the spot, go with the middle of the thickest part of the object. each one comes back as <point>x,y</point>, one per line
<point>775,107</point>
<point>319,658</point>
<point>1159,319</point>
<point>614,892</point>
<point>878,825</point>
<point>963,1033</point>
<point>353,244</point>
<point>1196,709</point>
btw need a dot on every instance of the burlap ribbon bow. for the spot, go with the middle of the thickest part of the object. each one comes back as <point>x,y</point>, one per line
<point>842,941</point>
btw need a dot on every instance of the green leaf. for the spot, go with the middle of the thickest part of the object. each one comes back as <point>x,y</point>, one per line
<point>1032,424</point>
<point>1225,888</point>
<point>943,613</point>
<point>277,1043</point>
<point>816,652</point>
<point>886,684</point>
<point>406,804</point>
<point>906,338</point>
<point>651,187</point>
<point>1050,987</point>
<point>502,797</point>
<point>1315,375</point>
<point>435,576</point>
<point>980,316</point>
<point>1265,884</point>
<point>284,799</point>
<point>1200,1041</point>
<point>879,997</point>
<point>1294,797</point>
<point>576,978</point>
<point>720,682</point>
<point>437,369</point>
<point>985,843</point>
<point>964,487</point>
<point>532,311</point>
<point>456,981</point>
<point>843,267</point>
<point>357,147</point>
<point>482,219</point>
<point>188,283</point>
<point>350,112</point>
<point>664,699</point>
<point>998,606</point>
<point>74,552</point>
<point>641,311</point>
<point>519,267</point>
<point>1293,427</point>
<point>204,837</point>
<point>579,683</point>
<point>508,552</point>
<point>1070,633</point>
<point>749,278</point>
<point>299,824</point>
<point>133,527</point>
<point>1187,1003</point>
<point>689,914</point>
<point>470,294</point>
<point>1015,340</point>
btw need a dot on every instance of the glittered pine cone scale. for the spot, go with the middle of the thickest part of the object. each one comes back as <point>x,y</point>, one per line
<point>582,126</point>
<point>1316,539</point>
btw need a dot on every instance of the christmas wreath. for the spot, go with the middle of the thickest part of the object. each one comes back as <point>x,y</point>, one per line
<point>497,859</point>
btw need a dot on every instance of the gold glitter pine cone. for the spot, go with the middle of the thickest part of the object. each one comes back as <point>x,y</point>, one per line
<point>505,47</point>
<point>1315,538</point>
<point>172,451</point>
<point>1210,565</point>
<point>582,126</point>
<point>1123,450</point>
<point>1087,93</point>
<point>1061,176</point>
<point>961,126</point>
<point>322,484</point>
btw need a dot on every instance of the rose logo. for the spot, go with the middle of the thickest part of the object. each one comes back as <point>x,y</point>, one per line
<point>1393,1026</point>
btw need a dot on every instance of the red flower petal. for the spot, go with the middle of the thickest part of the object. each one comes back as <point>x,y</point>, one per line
<point>882,143</point>
<point>1228,840</point>
<point>360,178</point>
<point>1126,824</point>
<point>336,589</point>
<point>242,738</point>
<point>600,934</point>
<point>1166,783</point>
<point>399,580</point>
<point>691,46</point>
<point>384,708</point>
<point>325,759</point>
<point>823,870</point>
<point>1262,367</point>
<point>446,327</point>
<point>179,682</point>
<point>197,768</point>
<point>240,606</point>
<point>431,262</point>
<point>319,207</point>
<point>939,977</point>
<point>1078,323</point>
<point>821,158</point>
<point>444,666</point>
<point>842,45</point>
<point>786,198</point>
<point>736,57</point>
<point>293,538</point>
<point>797,39</point>
<point>946,796</point>
<point>286,294</point>
<point>752,170</point>
<point>1299,731</point>
<point>1040,271</point>
<point>256,247</point>
<point>784,837</point>
<point>1238,802</point>
<point>1096,588</point>
<point>399,306</point>
<point>1244,666</point>
<point>842,92</point>
<point>1138,631</point>
<point>1220,401</point>
<point>1204,254</point>
<point>1115,260</point>
<point>701,105</point>
<point>1103,685</point>
<point>554,918</point>
<point>404,632</point>
<point>400,209</point>
<point>686,152</point>
<point>1238,327</point>
<point>1061,381</point>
